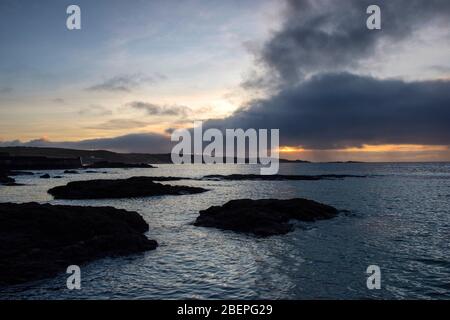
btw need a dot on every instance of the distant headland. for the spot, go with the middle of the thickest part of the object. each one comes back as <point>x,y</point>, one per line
<point>89,157</point>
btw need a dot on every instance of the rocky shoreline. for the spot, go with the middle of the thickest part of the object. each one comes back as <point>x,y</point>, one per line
<point>119,188</point>
<point>42,240</point>
<point>266,217</point>
<point>6,178</point>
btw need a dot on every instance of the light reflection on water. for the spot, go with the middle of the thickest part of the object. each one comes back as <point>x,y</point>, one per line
<point>399,220</point>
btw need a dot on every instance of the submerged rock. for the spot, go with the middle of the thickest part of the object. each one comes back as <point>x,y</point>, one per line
<point>264,217</point>
<point>70,172</point>
<point>41,240</point>
<point>120,188</point>
<point>114,165</point>
<point>45,176</point>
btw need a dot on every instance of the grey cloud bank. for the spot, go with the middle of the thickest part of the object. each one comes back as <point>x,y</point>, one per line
<point>126,83</point>
<point>116,124</point>
<point>142,143</point>
<point>154,109</point>
<point>330,36</point>
<point>322,100</point>
<point>333,111</point>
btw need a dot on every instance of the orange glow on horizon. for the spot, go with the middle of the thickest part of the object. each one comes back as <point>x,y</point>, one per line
<point>288,149</point>
<point>396,148</point>
<point>371,148</point>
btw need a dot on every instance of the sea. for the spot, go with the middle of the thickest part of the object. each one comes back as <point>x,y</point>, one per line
<point>396,218</point>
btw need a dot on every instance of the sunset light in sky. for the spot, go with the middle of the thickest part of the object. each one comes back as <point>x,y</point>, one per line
<point>145,69</point>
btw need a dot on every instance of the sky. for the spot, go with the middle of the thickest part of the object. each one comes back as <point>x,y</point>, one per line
<point>139,69</point>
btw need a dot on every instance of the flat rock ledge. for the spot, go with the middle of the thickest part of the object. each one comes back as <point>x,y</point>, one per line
<point>120,188</point>
<point>266,217</point>
<point>42,240</point>
<point>6,180</point>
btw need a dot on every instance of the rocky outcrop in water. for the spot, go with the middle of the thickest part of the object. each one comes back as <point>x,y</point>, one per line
<point>117,165</point>
<point>120,188</point>
<point>279,177</point>
<point>41,240</point>
<point>266,217</point>
<point>71,172</point>
<point>6,180</point>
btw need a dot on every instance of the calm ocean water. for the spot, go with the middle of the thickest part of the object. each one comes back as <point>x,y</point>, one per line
<point>399,220</point>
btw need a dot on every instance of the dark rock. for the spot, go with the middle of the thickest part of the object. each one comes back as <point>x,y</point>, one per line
<point>38,163</point>
<point>114,165</point>
<point>45,176</point>
<point>4,177</point>
<point>121,188</point>
<point>8,181</point>
<point>71,172</point>
<point>264,217</point>
<point>279,177</point>
<point>57,177</point>
<point>293,161</point>
<point>41,240</point>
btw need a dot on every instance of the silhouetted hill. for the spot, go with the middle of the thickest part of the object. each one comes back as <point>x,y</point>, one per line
<point>92,156</point>
<point>87,156</point>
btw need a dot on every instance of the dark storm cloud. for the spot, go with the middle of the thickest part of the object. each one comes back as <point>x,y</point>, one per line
<point>145,143</point>
<point>333,111</point>
<point>126,83</point>
<point>329,35</point>
<point>318,104</point>
<point>157,110</point>
<point>141,143</point>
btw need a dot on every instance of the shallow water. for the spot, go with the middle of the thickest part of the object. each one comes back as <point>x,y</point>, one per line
<point>399,220</point>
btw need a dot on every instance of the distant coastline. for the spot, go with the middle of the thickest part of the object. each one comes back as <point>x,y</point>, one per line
<point>93,156</point>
